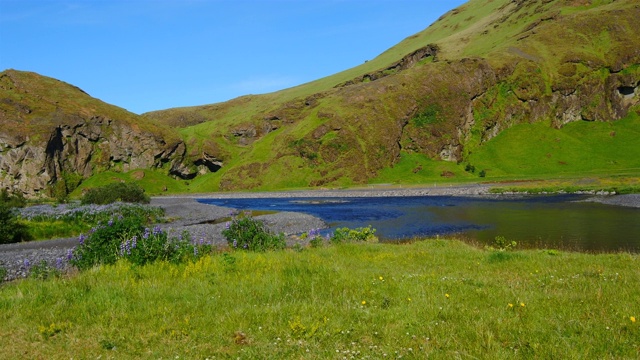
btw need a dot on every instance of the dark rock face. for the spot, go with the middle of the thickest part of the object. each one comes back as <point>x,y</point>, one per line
<point>83,147</point>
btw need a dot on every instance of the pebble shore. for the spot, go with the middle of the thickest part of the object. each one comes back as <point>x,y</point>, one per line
<point>206,222</point>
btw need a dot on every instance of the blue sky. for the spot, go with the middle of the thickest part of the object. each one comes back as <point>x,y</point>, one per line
<point>146,55</point>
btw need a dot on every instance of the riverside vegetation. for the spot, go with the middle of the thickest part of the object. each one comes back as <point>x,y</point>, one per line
<point>46,222</point>
<point>346,296</point>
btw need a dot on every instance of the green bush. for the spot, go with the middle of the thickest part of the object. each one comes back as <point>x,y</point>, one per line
<point>125,192</point>
<point>102,244</point>
<point>13,199</point>
<point>127,238</point>
<point>11,230</point>
<point>155,245</point>
<point>247,233</point>
<point>346,235</point>
<point>501,243</point>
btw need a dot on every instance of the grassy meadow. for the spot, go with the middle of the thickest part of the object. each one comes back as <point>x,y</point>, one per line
<point>437,299</point>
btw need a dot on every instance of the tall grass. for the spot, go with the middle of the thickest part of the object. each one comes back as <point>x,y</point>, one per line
<point>430,299</point>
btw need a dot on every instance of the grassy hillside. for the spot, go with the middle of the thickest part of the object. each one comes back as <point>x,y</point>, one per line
<point>510,89</point>
<point>30,104</point>
<point>442,99</point>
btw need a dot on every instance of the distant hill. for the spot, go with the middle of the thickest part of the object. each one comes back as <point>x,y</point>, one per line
<point>501,89</point>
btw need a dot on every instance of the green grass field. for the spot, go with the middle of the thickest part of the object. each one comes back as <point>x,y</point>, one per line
<point>432,299</point>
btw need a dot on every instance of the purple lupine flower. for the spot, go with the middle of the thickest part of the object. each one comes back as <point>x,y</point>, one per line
<point>146,233</point>
<point>157,230</point>
<point>81,239</point>
<point>26,263</point>
<point>69,254</point>
<point>122,249</point>
<point>134,242</point>
<point>227,225</point>
<point>59,263</point>
<point>245,246</point>
<point>235,243</point>
<point>110,223</point>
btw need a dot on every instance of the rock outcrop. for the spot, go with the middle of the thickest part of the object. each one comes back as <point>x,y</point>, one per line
<point>51,129</point>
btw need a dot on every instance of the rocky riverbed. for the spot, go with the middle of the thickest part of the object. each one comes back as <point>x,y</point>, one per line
<point>206,222</point>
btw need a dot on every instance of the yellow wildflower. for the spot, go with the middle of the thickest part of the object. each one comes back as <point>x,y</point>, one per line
<point>632,318</point>
<point>522,304</point>
<point>446,295</point>
<point>510,305</point>
<point>364,302</point>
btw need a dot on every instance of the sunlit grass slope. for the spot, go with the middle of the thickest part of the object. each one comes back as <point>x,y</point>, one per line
<point>595,148</point>
<point>433,299</point>
<point>499,74</point>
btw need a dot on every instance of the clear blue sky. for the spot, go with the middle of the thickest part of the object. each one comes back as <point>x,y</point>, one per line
<point>146,55</point>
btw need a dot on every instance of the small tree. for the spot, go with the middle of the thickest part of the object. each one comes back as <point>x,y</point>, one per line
<point>11,230</point>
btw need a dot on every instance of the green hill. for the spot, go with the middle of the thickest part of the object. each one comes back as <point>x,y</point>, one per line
<point>442,99</point>
<point>493,90</point>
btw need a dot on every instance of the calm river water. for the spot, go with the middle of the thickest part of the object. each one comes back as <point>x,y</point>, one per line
<point>550,222</point>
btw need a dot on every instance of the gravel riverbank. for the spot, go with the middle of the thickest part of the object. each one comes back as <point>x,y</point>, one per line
<point>206,222</point>
<point>202,222</point>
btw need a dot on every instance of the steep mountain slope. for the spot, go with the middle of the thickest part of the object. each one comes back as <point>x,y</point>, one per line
<point>54,133</point>
<point>441,94</point>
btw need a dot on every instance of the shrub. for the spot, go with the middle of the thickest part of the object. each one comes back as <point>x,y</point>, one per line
<point>125,192</point>
<point>155,245</point>
<point>247,233</point>
<point>470,168</point>
<point>346,235</point>
<point>13,199</point>
<point>314,237</point>
<point>102,245</point>
<point>11,230</point>
<point>127,238</point>
<point>502,244</point>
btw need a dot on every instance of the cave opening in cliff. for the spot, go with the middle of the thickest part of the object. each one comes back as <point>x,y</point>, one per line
<point>627,90</point>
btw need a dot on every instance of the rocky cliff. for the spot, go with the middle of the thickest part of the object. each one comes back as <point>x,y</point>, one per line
<point>51,130</point>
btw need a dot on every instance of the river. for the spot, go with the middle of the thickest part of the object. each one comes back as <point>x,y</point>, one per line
<point>550,222</point>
